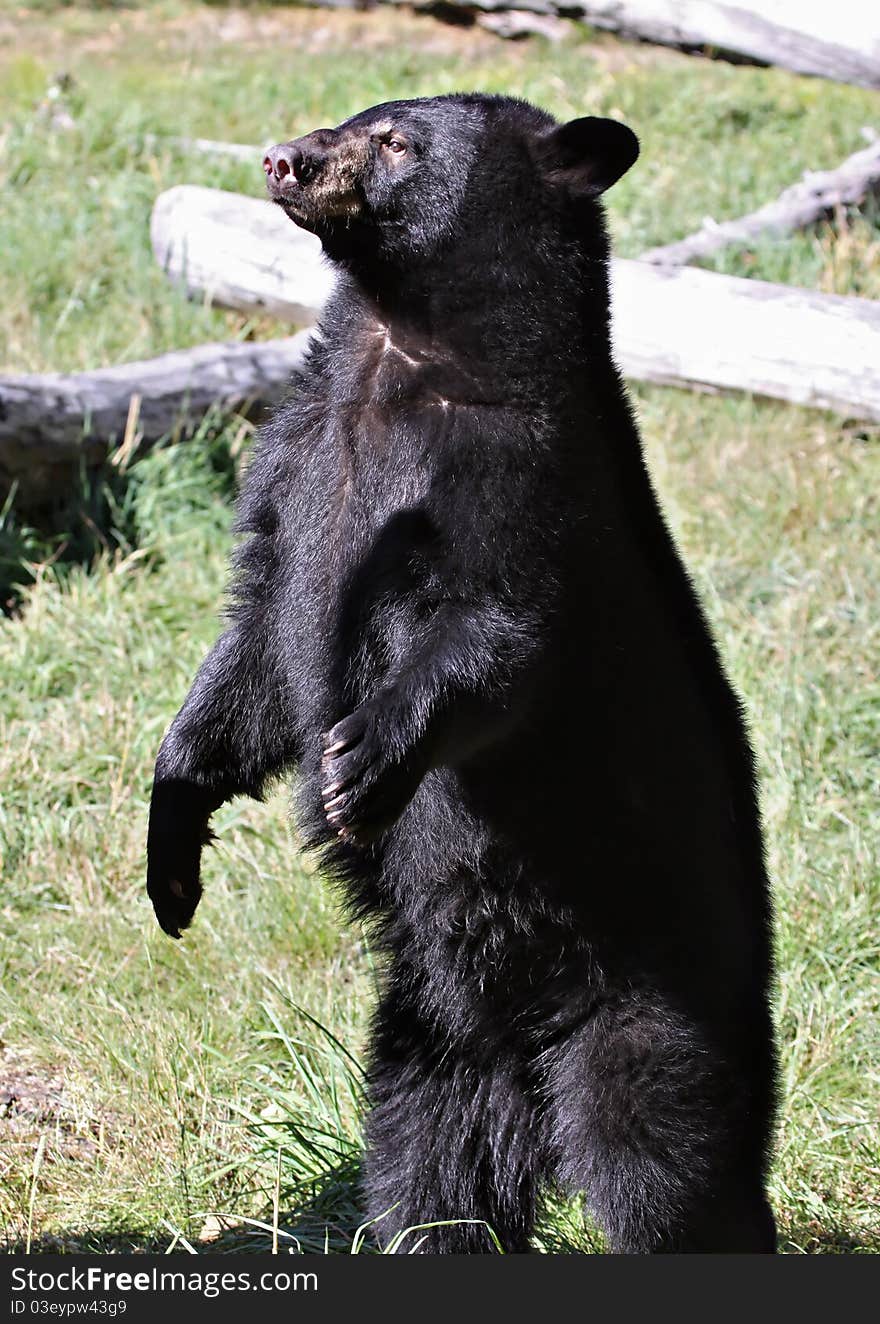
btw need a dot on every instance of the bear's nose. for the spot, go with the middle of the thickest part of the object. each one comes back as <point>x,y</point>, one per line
<point>284,161</point>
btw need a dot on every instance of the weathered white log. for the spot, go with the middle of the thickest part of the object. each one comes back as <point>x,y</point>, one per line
<point>837,39</point>
<point>677,326</point>
<point>514,24</point>
<point>680,326</point>
<point>50,423</point>
<point>239,252</point>
<point>804,203</point>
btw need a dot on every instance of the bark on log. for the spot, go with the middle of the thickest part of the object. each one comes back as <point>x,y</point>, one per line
<point>832,40</point>
<point>50,423</point>
<point>677,326</point>
<point>815,196</point>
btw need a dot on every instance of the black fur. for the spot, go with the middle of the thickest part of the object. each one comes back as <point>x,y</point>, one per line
<point>459,615</point>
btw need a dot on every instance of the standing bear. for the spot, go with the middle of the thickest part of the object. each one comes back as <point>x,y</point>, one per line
<point>457,613</point>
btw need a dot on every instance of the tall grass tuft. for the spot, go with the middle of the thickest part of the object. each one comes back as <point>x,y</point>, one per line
<point>304,1140</point>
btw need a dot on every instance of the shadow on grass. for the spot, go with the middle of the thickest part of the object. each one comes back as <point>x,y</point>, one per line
<point>324,1217</point>
<point>321,1217</point>
<point>88,1242</point>
<point>118,506</point>
<point>328,1223</point>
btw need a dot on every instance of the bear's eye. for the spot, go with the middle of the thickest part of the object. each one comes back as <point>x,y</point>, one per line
<point>396,146</point>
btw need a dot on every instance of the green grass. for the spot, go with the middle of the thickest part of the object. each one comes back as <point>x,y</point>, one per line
<point>166,1079</point>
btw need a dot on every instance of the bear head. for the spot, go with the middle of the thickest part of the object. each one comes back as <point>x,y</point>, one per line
<point>403,179</point>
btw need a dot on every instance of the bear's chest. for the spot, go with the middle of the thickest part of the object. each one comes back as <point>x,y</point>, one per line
<point>385,367</point>
<point>386,434</point>
<point>361,532</point>
<point>381,371</point>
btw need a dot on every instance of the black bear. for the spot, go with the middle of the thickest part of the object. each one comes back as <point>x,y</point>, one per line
<point>458,614</point>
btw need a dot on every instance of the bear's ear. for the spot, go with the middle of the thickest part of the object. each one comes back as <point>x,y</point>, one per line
<point>588,155</point>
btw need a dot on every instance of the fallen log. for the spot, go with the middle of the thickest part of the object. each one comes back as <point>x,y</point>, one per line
<point>516,24</point>
<point>679,326</point>
<point>672,325</point>
<point>50,423</point>
<point>839,41</point>
<point>815,196</point>
<point>239,252</point>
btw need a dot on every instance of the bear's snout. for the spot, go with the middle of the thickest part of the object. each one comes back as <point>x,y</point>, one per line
<point>300,161</point>
<point>283,162</point>
<point>315,178</point>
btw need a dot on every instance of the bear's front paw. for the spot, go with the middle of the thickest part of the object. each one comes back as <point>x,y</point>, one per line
<point>173,884</point>
<point>364,786</point>
<point>177,833</point>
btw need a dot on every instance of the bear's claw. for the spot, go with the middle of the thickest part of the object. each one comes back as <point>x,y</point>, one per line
<point>364,788</point>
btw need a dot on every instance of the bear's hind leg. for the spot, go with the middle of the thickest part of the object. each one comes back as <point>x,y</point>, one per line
<point>664,1136</point>
<point>448,1138</point>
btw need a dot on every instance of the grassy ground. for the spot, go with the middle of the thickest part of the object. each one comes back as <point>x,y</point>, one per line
<point>145,1086</point>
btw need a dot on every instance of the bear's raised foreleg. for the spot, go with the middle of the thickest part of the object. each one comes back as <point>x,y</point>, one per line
<point>232,734</point>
